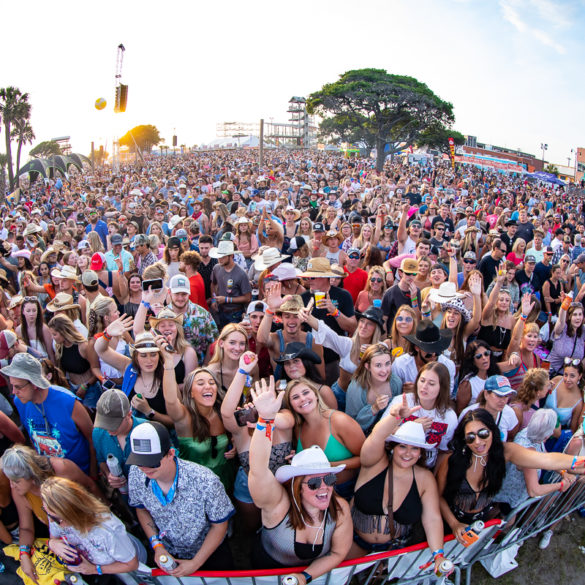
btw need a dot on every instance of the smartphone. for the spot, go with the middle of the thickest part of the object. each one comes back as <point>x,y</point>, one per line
<point>168,347</point>
<point>246,415</point>
<point>155,284</point>
<point>108,384</point>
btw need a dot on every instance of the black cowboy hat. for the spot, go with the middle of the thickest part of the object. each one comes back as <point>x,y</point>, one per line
<point>373,314</point>
<point>430,338</point>
<point>297,349</point>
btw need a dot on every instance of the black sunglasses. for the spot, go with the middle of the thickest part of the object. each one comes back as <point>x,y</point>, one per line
<point>482,434</point>
<point>315,482</point>
<point>469,261</point>
<point>478,356</point>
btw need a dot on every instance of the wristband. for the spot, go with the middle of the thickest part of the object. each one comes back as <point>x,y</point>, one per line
<point>25,548</point>
<point>240,371</point>
<point>269,312</point>
<point>335,313</point>
<point>147,305</point>
<point>523,317</point>
<point>99,570</point>
<point>561,486</point>
<point>438,552</point>
<point>153,538</point>
<point>156,544</point>
<point>107,335</point>
<point>24,553</point>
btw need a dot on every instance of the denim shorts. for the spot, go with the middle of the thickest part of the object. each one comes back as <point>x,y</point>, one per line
<point>241,491</point>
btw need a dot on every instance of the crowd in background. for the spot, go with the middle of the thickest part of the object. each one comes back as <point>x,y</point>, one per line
<point>209,364</point>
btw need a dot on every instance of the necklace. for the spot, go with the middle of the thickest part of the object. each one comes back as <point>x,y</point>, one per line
<point>41,410</point>
<point>481,459</point>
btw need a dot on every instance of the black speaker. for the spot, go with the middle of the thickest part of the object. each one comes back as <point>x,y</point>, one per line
<point>121,98</point>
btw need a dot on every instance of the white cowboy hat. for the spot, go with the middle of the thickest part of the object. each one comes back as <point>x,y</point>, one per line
<point>411,433</point>
<point>311,461</point>
<point>286,271</point>
<point>268,258</point>
<point>225,248</point>
<point>32,228</point>
<point>175,220</point>
<point>445,292</point>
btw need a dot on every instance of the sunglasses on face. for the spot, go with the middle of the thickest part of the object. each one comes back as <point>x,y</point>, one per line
<point>315,482</point>
<point>469,261</point>
<point>376,279</point>
<point>482,434</point>
<point>406,319</point>
<point>486,353</point>
<point>354,256</point>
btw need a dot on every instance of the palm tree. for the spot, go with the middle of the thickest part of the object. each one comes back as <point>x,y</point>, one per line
<point>22,132</point>
<point>14,108</point>
<point>3,161</point>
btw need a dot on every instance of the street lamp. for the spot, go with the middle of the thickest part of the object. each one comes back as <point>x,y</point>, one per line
<point>543,147</point>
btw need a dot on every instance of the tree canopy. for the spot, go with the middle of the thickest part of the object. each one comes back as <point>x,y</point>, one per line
<point>144,136</point>
<point>437,137</point>
<point>378,109</point>
<point>45,149</point>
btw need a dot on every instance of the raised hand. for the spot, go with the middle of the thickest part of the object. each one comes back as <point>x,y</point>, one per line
<point>527,304</point>
<point>120,326</point>
<point>475,284</point>
<point>273,296</point>
<point>265,399</point>
<point>402,409</point>
<point>248,360</point>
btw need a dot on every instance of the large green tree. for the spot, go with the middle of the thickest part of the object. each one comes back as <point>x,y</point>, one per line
<point>385,110</point>
<point>45,149</point>
<point>437,136</point>
<point>145,137</point>
<point>15,111</point>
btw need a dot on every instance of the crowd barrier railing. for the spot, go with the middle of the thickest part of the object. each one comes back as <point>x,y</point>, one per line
<point>404,566</point>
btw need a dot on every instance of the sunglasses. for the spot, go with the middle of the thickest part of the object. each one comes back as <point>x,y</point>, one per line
<point>315,482</point>
<point>478,356</point>
<point>401,319</point>
<point>469,261</point>
<point>572,361</point>
<point>354,256</point>
<point>482,434</point>
<point>376,280</point>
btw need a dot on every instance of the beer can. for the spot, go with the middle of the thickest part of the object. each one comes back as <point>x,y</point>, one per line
<point>167,563</point>
<point>290,580</point>
<point>445,568</point>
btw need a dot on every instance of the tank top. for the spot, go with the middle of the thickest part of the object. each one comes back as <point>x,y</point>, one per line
<point>566,412</point>
<point>279,370</point>
<point>281,545</point>
<point>496,337</point>
<point>368,507</point>
<point>72,361</point>
<point>334,450</point>
<point>333,257</point>
<point>36,505</point>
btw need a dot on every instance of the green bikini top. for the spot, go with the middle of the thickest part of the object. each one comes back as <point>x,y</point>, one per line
<point>334,450</point>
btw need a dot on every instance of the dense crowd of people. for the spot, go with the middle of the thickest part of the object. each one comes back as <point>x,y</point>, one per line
<point>205,360</point>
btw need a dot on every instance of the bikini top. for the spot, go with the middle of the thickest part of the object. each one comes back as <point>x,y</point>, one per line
<point>334,450</point>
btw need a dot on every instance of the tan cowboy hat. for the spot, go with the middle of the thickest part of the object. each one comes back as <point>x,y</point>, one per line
<point>62,302</point>
<point>65,271</point>
<point>32,228</point>
<point>292,305</point>
<point>15,301</point>
<point>295,211</point>
<point>166,315</point>
<point>267,258</point>
<point>144,343</point>
<point>319,268</point>
<point>45,255</point>
<point>333,234</point>
<point>338,271</point>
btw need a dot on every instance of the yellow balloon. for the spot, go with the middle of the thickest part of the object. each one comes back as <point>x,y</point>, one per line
<point>100,104</point>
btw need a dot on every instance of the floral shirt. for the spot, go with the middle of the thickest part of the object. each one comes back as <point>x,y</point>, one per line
<point>200,329</point>
<point>199,501</point>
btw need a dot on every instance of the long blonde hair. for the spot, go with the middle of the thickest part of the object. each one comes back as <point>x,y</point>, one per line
<point>73,503</point>
<point>64,325</point>
<point>395,336</point>
<point>99,309</point>
<point>95,242</point>
<point>225,333</point>
<point>363,375</point>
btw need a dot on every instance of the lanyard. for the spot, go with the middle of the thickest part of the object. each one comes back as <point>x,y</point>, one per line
<point>157,491</point>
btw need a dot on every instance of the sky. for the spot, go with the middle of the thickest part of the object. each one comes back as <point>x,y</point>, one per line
<point>511,68</point>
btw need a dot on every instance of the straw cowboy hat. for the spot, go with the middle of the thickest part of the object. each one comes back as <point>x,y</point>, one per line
<point>411,433</point>
<point>32,228</point>
<point>15,301</point>
<point>319,268</point>
<point>269,257</point>
<point>311,461</point>
<point>166,315</point>
<point>333,234</point>
<point>144,343</point>
<point>225,248</point>
<point>62,302</point>
<point>67,272</point>
<point>293,305</point>
<point>295,211</point>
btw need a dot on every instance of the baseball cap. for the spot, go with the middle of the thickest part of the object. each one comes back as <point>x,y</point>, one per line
<point>174,242</point>
<point>180,284</point>
<point>112,407</point>
<point>530,258</point>
<point>409,266</point>
<point>83,244</point>
<point>296,243</point>
<point>318,227</point>
<point>116,239</point>
<point>89,278</point>
<point>499,385</point>
<point>470,256</point>
<point>97,261</point>
<point>149,442</point>
<point>141,240</point>
<point>256,306</point>
<point>580,259</point>
<point>181,233</point>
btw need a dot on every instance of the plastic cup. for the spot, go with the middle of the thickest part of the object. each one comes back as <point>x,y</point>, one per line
<point>319,296</point>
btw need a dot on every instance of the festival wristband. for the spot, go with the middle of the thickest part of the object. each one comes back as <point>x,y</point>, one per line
<point>561,486</point>
<point>153,538</point>
<point>335,314</point>
<point>438,552</point>
<point>99,570</point>
<point>107,335</point>
<point>147,305</point>
<point>269,312</point>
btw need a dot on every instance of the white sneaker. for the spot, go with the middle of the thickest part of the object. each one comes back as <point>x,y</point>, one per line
<point>545,539</point>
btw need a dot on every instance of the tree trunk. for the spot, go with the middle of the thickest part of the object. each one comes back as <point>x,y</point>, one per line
<point>2,185</point>
<point>18,151</point>
<point>9,155</point>
<point>380,154</point>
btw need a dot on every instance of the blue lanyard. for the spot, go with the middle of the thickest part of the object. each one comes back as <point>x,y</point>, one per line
<point>156,490</point>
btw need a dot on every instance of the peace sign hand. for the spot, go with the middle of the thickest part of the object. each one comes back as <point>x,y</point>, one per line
<point>402,410</point>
